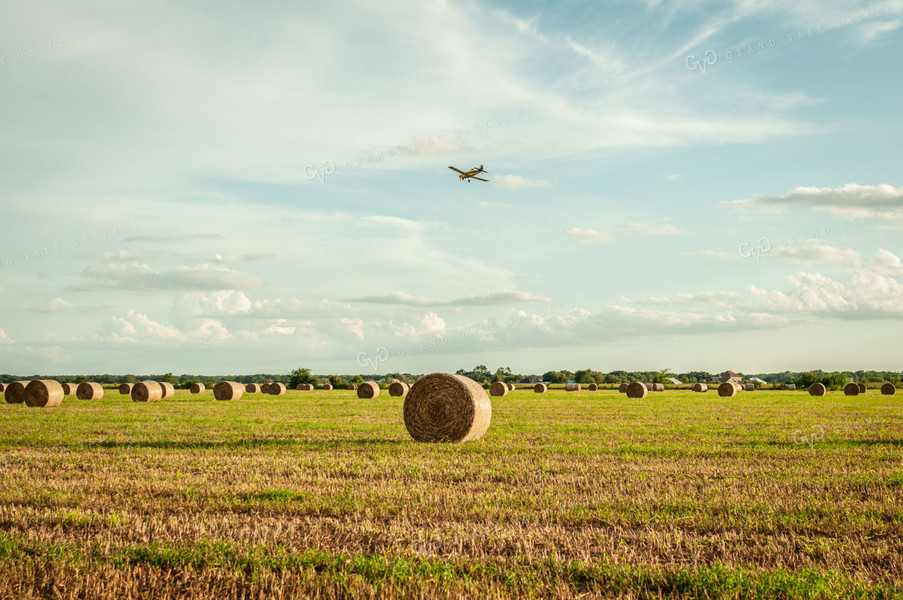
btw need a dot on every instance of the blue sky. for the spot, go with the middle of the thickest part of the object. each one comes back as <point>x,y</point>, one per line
<point>200,188</point>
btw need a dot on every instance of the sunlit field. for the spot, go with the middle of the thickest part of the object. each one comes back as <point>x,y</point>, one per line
<point>583,494</point>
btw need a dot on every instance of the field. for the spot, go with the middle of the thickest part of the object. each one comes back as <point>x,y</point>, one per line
<point>585,494</point>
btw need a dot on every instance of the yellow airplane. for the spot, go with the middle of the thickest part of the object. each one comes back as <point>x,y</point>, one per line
<point>472,174</point>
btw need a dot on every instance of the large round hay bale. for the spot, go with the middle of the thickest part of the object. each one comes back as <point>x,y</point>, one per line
<point>399,388</point>
<point>862,388</point>
<point>700,387</point>
<point>125,388</point>
<point>637,389</point>
<point>750,387</point>
<point>368,390</point>
<point>89,391</point>
<point>888,389</point>
<point>277,389</point>
<point>327,386</point>
<point>265,387</point>
<point>592,387</point>
<point>252,388</point>
<point>540,388</point>
<point>622,389</point>
<point>658,387</point>
<point>851,389</point>
<point>442,407</point>
<point>70,389</point>
<point>352,386</point>
<point>198,388</point>
<point>43,393</point>
<point>572,387</point>
<point>228,390</point>
<point>498,389</point>
<point>169,390</point>
<point>147,391</point>
<point>727,389</point>
<point>817,389</point>
<point>15,392</point>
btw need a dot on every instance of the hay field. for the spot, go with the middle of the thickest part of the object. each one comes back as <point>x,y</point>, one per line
<point>580,494</point>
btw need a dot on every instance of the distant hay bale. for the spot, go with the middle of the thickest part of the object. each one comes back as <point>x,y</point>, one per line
<point>70,389</point>
<point>169,390</point>
<point>198,388</point>
<point>399,388</point>
<point>622,389</point>
<point>228,390</point>
<point>750,387</point>
<point>636,389</point>
<point>265,387</point>
<point>592,387</point>
<point>572,387</point>
<point>540,388</point>
<point>862,388</point>
<point>498,389</point>
<point>352,386</point>
<point>89,391</point>
<point>888,389</point>
<point>277,389</point>
<point>15,392</point>
<point>252,388</point>
<point>727,389</point>
<point>648,386</point>
<point>510,387</point>
<point>2,387</point>
<point>700,387</point>
<point>658,387</point>
<point>851,389</point>
<point>788,387</point>
<point>147,391</point>
<point>43,393</point>
<point>817,389</point>
<point>125,388</point>
<point>368,390</point>
<point>304,387</point>
<point>442,407</point>
<point>327,386</point>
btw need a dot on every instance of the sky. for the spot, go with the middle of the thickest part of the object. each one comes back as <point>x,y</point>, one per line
<point>233,188</point>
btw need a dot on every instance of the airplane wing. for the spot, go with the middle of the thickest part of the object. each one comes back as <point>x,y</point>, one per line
<point>480,179</point>
<point>458,170</point>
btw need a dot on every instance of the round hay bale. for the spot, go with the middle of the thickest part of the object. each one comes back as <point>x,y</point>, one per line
<point>352,386</point>
<point>228,390</point>
<point>327,386</point>
<point>399,388</point>
<point>307,387</point>
<point>510,387</point>
<point>700,387</point>
<point>368,390</point>
<point>198,388</point>
<point>851,389</point>
<point>125,388</point>
<point>498,389</point>
<point>15,392</point>
<point>147,391</point>
<point>658,387</point>
<point>593,387</point>
<point>862,388</point>
<point>817,389</point>
<point>70,389</point>
<point>43,393</point>
<point>277,389</point>
<point>442,407</point>
<point>622,389</point>
<point>89,391</point>
<point>252,388</point>
<point>169,390</point>
<point>265,387</point>
<point>750,387</point>
<point>572,387</point>
<point>2,387</point>
<point>540,388</point>
<point>727,389</point>
<point>636,389</point>
<point>648,386</point>
<point>788,387</point>
<point>888,389</point>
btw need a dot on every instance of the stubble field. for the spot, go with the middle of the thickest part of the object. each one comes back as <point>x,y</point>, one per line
<point>584,494</point>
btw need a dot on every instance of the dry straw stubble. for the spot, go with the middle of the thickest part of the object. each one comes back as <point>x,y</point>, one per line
<point>147,391</point>
<point>498,389</point>
<point>89,390</point>
<point>228,390</point>
<point>368,390</point>
<point>44,393</point>
<point>442,407</point>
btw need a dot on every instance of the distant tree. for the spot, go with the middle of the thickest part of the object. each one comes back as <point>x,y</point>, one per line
<point>129,379</point>
<point>300,375</point>
<point>357,379</point>
<point>834,381</point>
<point>335,380</point>
<point>168,378</point>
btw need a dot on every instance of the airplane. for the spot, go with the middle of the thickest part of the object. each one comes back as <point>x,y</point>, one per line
<point>472,174</point>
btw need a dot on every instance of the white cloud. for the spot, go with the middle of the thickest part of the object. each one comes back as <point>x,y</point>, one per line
<point>4,339</point>
<point>589,237</point>
<point>672,177</point>
<point>516,182</point>
<point>137,276</point>
<point>851,199</point>
<point>486,300</point>
<point>816,253</point>
<point>58,304</point>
